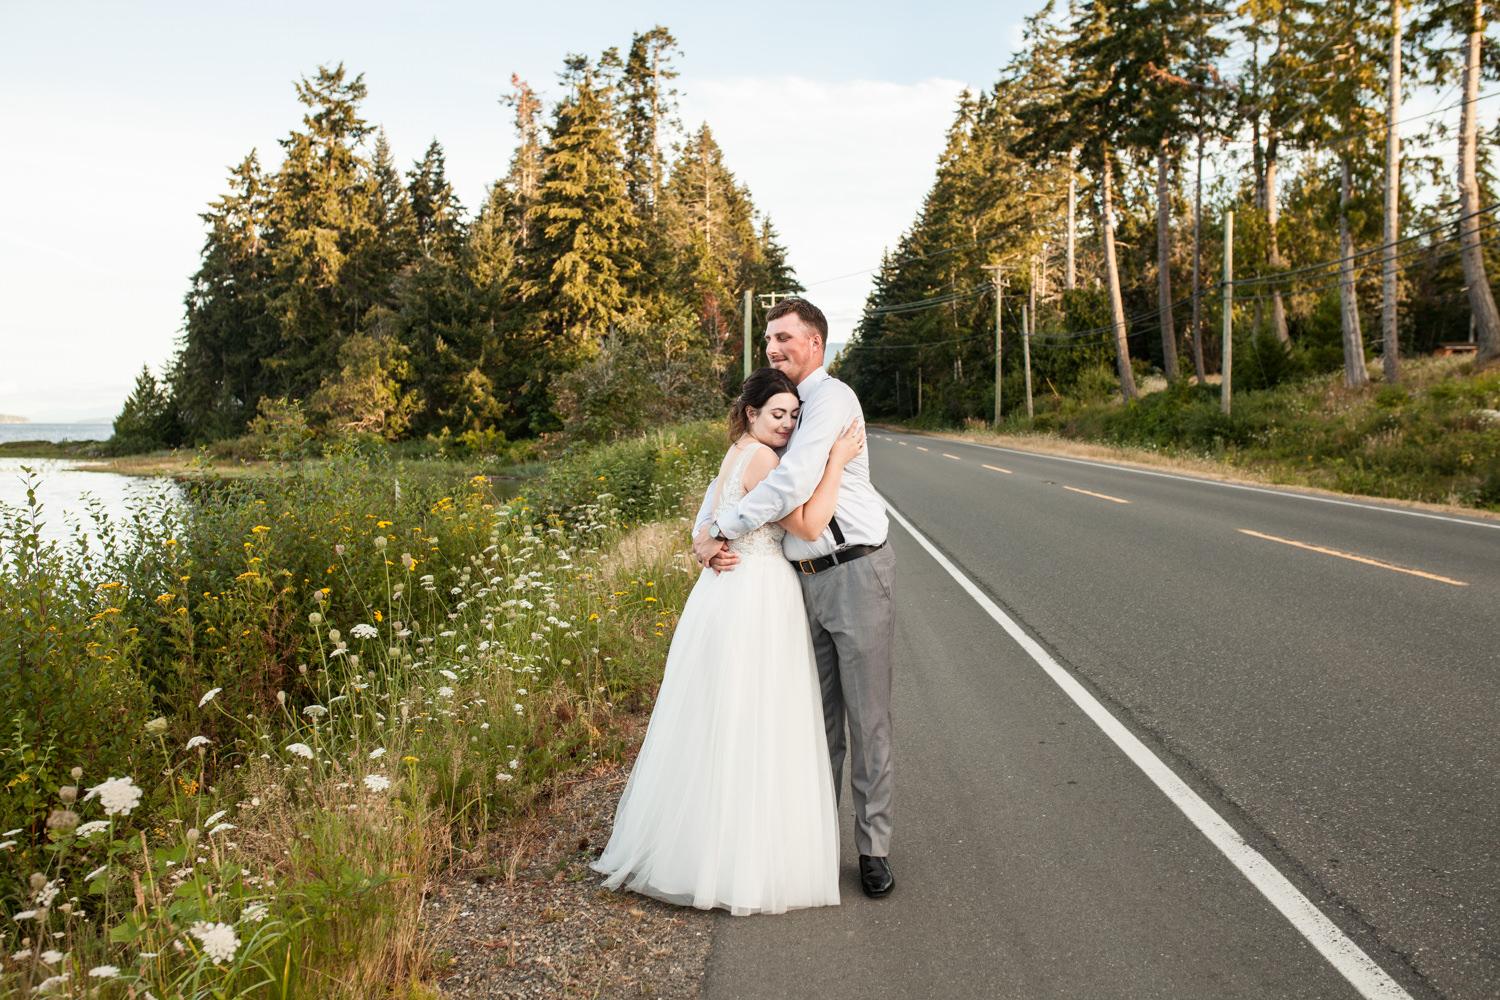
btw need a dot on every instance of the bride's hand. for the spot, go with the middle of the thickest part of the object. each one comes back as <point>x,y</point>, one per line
<point>849,444</point>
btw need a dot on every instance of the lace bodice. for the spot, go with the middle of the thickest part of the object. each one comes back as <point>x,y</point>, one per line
<point>763,541</point>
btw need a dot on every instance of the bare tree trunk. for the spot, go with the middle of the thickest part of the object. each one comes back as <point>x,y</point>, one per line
<point>1070,275</point>
<point>1112,279</point>
<point>1198,368</point>
<point>1355,374</point>
<point>1164,263</point>
<point>1481,299</point>
<point>1273,211</point>
<point>1390,354</point>
<point>1273,247</point>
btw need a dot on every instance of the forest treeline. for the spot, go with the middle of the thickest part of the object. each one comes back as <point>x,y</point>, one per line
<point>1078,179</point>
<point>599,283</point>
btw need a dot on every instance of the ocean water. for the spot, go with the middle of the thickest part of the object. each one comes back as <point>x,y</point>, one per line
<point>55,432</point>
<point>64,488</point>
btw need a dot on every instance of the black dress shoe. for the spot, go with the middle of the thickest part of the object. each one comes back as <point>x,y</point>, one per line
<point>875,876</point>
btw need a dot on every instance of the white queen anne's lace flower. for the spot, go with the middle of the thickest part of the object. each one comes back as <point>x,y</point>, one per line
<point>301,750</point>
<point>315,711</point>
<point>219,940</point>
<point>118,796</point>
<point>255,913</point>
<point>377,753</point>
<point>198,741</point>
<point>377,782</point>
<point>104,972</point>
<point>363,631</point>
<point>210,696</point>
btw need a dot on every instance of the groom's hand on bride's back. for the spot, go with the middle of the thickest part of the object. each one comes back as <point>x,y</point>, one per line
<point>713,553</point>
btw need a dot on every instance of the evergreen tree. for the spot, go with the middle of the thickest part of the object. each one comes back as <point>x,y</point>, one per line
<point>1465,61</point>
<point>322,214</point>
<point>648,111</point>
<point>218,377</point>
<point>1339,55</point>
<point>366,396</point>
<point>711,225</point>
<point>148,420</point>
<point>436,213</point>
<point>525,176</point>
<point>583,255</point>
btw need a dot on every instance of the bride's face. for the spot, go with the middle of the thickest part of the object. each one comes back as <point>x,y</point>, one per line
<point>773,423</point>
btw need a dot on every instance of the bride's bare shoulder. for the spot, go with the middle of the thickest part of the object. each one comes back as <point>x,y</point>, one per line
<point>760,464</point>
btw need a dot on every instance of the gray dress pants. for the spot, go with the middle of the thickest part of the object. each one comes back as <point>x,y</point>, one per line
<point>852,617</point>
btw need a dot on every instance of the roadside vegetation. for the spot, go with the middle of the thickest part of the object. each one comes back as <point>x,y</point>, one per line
<point>1433,438</point>
<point>241,734</point>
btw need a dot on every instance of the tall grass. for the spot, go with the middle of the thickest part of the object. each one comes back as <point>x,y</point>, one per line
<point>1435,437</point>
<point>242,733</point>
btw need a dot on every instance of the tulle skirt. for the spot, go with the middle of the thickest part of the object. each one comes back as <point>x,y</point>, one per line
<point>731,800</point>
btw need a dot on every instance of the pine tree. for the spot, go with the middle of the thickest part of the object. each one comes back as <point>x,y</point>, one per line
<point>525,175</point>
<point>147,421</point>
<point>322,214</point>
<point>436,213</point>
<point>577,273</point>
<point>218,377</point>
<point>1437,20</point>
<point>1339,56</point>
<point>648,113</point>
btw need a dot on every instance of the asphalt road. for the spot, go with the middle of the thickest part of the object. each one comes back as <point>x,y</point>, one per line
<point>1325,676</point>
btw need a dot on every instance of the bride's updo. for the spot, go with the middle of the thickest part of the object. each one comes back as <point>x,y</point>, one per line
<point>759,387</point>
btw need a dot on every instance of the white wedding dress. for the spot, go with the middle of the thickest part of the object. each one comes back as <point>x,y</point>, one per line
<point>731,800</point>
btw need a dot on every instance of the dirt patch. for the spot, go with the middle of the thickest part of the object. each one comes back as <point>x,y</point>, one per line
<point>528,919</point>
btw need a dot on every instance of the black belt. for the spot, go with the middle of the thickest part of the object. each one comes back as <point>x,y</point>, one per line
<point>810,566</point>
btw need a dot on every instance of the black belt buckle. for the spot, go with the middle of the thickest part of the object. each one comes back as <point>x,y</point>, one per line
<point>806,566</point>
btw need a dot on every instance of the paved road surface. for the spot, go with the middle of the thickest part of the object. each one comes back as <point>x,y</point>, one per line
<point>1326,676</point>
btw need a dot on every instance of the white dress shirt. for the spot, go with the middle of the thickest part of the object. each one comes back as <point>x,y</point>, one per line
<point>828,406</point>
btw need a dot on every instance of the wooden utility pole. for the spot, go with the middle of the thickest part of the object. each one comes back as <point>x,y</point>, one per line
<point>746,344</point>
<point>1390,355</point>
<point>1226,367</point>
<point>1028,320</point>
<point>995,276</point>
<point>1026,355</point>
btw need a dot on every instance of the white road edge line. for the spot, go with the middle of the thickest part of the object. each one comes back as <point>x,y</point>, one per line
<point>1343,954</point>
<point>1232,486</point>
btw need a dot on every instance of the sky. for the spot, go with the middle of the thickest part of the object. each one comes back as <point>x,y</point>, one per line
<point>119,121</point>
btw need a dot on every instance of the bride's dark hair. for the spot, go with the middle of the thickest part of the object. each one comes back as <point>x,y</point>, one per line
<point>762,384</point>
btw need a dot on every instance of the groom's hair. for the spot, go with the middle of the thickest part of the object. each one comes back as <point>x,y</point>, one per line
<point>806,312</point>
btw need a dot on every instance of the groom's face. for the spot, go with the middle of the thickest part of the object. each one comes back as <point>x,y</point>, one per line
<point>793,347</point>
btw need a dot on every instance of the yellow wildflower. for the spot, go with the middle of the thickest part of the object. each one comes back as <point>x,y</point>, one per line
<point>260,529</point>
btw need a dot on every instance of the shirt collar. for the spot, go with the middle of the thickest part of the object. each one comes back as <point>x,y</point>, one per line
<point>814,378</point>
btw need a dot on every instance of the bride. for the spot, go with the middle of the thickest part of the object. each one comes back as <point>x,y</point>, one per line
<point>731,802</point>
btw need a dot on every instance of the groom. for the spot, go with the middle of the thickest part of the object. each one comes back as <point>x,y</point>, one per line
<point>846,575</point>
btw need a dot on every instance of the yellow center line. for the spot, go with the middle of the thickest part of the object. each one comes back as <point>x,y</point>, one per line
<point>1091,493</point>
<point>996,468</point>
<point>954,457</point>
<point>1354,558</point>
<point>920,448</point>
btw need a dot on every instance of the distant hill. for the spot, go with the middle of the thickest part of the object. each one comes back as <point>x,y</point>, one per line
<point>6,418</point>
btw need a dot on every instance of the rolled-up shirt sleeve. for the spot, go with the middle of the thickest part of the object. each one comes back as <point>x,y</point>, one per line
<point>790,483</point>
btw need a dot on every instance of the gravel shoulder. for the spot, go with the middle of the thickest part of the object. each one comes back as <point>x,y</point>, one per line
<point>528,919</point>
